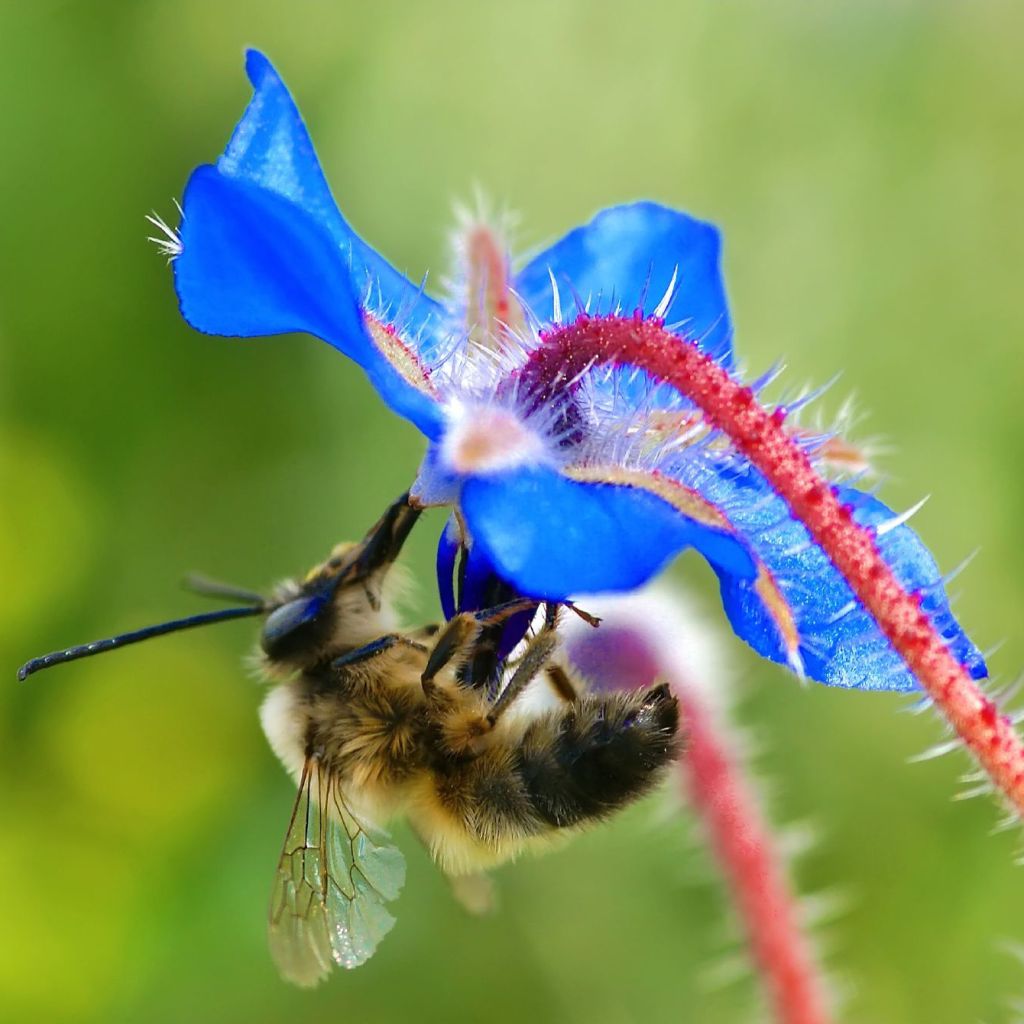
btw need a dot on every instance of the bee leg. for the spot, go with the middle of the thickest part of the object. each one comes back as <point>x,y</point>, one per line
<point>537,654</point>
<point>458,636</point>
<point>427,632</point>
<point>475,893</point>
<point>375,648</point>
<point>590,620</point>
<point>562,684</point>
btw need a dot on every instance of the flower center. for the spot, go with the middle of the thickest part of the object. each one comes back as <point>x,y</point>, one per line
<point>482,440</point>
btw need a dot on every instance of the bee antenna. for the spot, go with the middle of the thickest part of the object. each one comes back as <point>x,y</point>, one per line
<point>124,639</point>
<point>200,584</point>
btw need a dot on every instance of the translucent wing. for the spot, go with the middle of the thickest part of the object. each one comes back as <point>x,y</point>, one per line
<point>332,882</point>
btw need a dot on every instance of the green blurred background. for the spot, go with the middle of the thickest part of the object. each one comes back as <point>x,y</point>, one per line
<point>866,163</point>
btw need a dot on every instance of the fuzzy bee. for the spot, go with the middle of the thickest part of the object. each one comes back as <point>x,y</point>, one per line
<point>374,722</point>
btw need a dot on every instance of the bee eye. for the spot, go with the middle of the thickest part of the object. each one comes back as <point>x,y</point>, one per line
<point>285,629</point>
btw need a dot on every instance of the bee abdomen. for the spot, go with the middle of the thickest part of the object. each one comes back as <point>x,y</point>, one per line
<point>603,753</point>
<point>488,798</point>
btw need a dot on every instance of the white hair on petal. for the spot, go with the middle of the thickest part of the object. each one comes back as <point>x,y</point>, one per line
<point>556,299</point>
<point>168,242</point>
<point>661,309</point>
<point>898,520</point>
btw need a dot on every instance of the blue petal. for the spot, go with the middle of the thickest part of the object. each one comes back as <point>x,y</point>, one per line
<point>554,537</point>
<point>252,263</point>
<point>271,148</point>
<point>840,643</point>
<point>448,546</point>
<point>479,586</point>
<point>626,256</point>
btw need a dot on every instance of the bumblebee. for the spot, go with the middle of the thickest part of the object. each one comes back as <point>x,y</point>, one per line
<point>374,722</point>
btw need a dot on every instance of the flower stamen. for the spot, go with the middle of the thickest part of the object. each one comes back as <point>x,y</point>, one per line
<point>400,355</point>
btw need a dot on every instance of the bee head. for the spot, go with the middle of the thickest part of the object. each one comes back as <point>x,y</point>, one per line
<point>339,600</point>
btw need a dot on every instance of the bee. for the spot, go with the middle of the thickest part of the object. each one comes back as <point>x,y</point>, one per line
<point>374,722</point>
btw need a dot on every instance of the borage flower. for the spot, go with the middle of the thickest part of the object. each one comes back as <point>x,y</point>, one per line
<point>583,418</point>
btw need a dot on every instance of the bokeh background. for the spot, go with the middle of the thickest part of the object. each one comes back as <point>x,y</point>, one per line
<point>866,164</point>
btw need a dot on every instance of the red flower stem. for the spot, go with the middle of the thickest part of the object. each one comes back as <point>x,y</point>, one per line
<point>746,854</point>
<point>641,641</point>
<point>759,435</point>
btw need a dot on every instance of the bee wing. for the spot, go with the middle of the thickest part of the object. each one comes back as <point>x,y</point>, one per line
<point>332,881</point>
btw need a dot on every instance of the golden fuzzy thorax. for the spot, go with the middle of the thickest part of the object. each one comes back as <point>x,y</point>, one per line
<point>395,753</point>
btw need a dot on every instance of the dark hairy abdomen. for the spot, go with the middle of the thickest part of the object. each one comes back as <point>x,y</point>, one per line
<point>570,767</point>
<point>599,756</point>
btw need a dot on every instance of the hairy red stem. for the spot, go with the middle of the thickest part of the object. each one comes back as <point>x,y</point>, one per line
<point>759,435</point>
<point>746,855</point>
<point>643,640</point>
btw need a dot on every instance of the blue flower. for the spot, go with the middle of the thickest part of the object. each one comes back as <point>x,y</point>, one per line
<point>566,479</point>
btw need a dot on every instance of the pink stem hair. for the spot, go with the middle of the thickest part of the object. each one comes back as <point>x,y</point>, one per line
<point>759,435</point>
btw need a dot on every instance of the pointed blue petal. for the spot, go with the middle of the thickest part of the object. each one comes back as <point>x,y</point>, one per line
<point>447,553</point>
<point>271,148</point>
<point>554,537</point>
<point>840,643</point>
<point>252,263</point>
<point>626,257</point>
